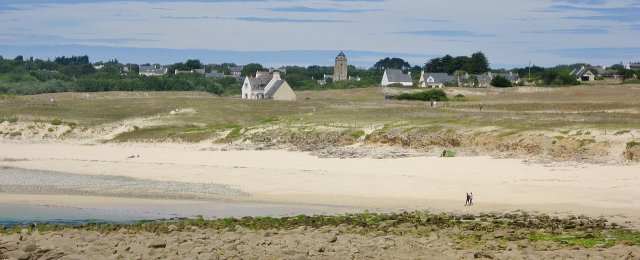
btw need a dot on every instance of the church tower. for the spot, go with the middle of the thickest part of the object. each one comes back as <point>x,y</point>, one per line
<point>340,69</point>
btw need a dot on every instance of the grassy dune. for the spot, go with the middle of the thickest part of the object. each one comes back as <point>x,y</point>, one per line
<point>583,115</point>
<point>585,106</point>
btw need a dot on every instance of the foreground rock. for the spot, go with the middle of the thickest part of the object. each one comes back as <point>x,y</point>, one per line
<point>398,236</point>
<point>270,244</point>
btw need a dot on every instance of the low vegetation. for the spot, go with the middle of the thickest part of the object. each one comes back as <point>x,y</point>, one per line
<point>429,95</point>
<point>501,82</point>
<point>56,122</point>
<point>622,132</point>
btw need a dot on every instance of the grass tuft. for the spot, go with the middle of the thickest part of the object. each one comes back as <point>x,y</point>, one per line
<point>357,134</point>
<point>621,132</point>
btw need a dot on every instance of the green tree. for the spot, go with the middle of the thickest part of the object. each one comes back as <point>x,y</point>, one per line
<point>459,63</point>
<point>501,82</point>
<point>616,67</point>
<point>251,69</point>
<point>549,76</point>
<point>478,63</point>
<point>625,74</point>
<point>434,65</point>
<point>193,64</point>
<point>392,63</point>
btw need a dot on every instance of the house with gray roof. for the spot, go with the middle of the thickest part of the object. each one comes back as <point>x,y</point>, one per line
<point>583,74</point>
<point>182,72</point>
<point>152,70</point>
<point>434,80</point>
<point>267,85</point>
<point>633,66</point>
<point>214,75</point>
<point>396,76</point>
<point>484,80</point>
<point>236,71</point>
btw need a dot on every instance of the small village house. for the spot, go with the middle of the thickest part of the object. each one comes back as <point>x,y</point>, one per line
<point>396,76</point>
<point>434,80</point>
<point>267,85</point>
<point>583,74</point>
<point>199,71</point>
<point>152,70</point>
<point>214,75</point>
<point>484,80</point>
<point>633,66</point>
<point>236,71</point>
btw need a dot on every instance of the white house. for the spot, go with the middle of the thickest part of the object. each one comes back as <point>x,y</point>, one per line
<point>267,86</point>
<point>434,80</point>
<point>583,74</point>
<point>395,76</point>
<point>152,71</point>
<point>633,66</point>
<point>236,71</point>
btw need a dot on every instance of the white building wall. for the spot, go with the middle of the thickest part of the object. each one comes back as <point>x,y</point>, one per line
<point>246,89</point>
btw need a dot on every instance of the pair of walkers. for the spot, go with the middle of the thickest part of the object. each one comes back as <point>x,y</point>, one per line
<point>469,201</point>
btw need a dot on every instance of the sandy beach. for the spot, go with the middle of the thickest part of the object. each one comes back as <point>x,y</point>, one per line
<point>417,183</point>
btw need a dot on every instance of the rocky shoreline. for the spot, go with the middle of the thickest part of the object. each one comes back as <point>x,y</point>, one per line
<point>367,235</point>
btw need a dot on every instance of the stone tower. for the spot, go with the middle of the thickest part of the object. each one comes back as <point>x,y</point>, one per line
<point>340,69</point>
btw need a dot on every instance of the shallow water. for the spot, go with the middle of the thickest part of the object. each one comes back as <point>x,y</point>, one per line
<point>160,200</point>
<point>14,214</point>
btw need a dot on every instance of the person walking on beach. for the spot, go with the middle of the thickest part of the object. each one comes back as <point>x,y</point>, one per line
<point>467,203</point>
<point>471,199</point>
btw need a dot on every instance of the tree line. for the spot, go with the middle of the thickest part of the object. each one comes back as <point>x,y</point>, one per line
<point>77,73</point>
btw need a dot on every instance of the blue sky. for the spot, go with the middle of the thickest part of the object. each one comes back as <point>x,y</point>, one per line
<point>299,32</point>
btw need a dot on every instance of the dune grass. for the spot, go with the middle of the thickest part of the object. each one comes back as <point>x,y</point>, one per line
<point>576,107</point>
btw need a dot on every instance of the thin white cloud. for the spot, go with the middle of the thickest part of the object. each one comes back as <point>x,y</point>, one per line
<point>509,32</point>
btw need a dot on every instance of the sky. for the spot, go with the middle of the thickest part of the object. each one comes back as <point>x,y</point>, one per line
<point>312,32</point>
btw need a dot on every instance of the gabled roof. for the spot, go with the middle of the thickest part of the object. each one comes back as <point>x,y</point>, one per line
<point>214,74</point>
<point>236,69</point>
<point>395,75</point>
<point>341,54</point>
<point>259,82</point>
<point>152,69</point>
<point>274,88</point>
<point>438,77</point>
<point>580,72</point>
